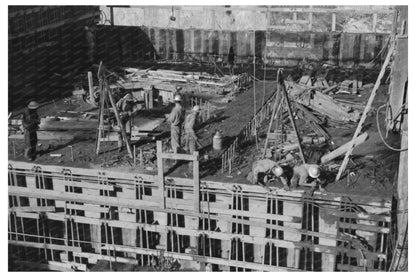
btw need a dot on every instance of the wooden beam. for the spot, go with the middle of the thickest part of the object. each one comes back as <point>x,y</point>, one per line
<point>45,246</point>
<point>46,135</point>
<point>289,109</point>
<point>90,86</point>
<point>32,209</point>
<point>186,157</point>
<point>334,22</point>
<point>365,112</point>
<point>343,148</point>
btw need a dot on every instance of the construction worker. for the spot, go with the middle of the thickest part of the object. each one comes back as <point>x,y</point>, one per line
<point>90,45</point>
<point>125,108</point>
<point>176,118</point>
<point>267,167</point>
<point>231,59</point>
<point>190,137</point>
<point>30,122</point>
<point>306,175</point>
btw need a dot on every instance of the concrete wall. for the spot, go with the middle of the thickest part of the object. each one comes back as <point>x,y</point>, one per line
<point>342,36</point>
<point>122,44</point>
<point>239,18</point>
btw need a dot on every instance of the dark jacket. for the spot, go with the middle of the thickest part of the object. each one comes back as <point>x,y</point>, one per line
<point>30,120</point>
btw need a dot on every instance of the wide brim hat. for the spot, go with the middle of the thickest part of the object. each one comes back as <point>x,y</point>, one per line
<point>33,105</point>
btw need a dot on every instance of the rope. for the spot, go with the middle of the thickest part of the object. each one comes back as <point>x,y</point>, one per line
<point>379,130</point>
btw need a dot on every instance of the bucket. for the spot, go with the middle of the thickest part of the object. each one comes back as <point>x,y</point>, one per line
<point>217,141</point>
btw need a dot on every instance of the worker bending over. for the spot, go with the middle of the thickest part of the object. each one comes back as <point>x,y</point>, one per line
<point>176,118</point>
<point>268,167</point>
<point>306,175</point>
<point>30,122</point>
<point>125,107</point>
<point>190,137</point>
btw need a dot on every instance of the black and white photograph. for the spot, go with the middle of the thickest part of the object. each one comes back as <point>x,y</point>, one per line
<point>205,137</point>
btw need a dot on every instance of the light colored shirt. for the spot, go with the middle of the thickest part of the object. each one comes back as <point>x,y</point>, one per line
<point>190,124</point>
<point>176,117</point>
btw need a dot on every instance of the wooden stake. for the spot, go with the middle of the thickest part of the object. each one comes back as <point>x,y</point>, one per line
<point>141,157</point>
<point>134,155</point>
<point>91,86</point>
<point>14,149</point>
<point>364,115</point>
<point>72,153</point>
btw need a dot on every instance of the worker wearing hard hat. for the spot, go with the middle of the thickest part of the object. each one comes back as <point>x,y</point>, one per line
<point>30,122</point>
<point>125,107</point>
<point>267,167</point>
<point>190,137</point>
<point>306,175</point>
<point>176,118</point>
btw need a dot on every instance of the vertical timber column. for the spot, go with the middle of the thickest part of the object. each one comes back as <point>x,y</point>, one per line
<point>225,226</point>
<point>258,206</point>
<point>94,212</point>
<point>328,225</point>
<point>31,183</point>
<point>161,217</point>
<point>127,215</point>
<point>296,210</point>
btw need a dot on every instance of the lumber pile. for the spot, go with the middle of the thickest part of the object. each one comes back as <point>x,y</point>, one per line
<point>169,80</point>
<point>322,103</point>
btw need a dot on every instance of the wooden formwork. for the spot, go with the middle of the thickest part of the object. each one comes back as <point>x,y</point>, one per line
<point>70,218</point>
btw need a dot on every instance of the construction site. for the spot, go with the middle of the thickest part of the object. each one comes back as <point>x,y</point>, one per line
<point>208,138</point>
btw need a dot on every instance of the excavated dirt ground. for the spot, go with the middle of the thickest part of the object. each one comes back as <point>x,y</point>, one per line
<point>374,165</point>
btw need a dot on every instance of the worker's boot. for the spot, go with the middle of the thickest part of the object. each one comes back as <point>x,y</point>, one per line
<point>321,189</point>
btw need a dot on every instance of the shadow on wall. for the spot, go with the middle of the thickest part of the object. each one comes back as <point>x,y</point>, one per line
<point>123,45</point>
<point>43,68</point>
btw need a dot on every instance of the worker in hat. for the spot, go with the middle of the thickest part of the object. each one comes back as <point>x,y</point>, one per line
<point>190,137</point>
<point>30,122</point>
<point>176,118</point>
<point>306,175</point>
<point>125,108</point>
<point>268,167</point>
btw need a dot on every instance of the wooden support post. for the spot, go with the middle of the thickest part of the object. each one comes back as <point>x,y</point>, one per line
<point>100,128</point>
<point>141,157</point>
<point>196,181</point>
<point>334,22</point>
<point>134,155</point>
<point>91,86</point>
<point>364,115</point>
<point>310,21</point>
<point>289,109</point>
<point>72,153</point>
<point>374,22</point>
<point>160,173</point>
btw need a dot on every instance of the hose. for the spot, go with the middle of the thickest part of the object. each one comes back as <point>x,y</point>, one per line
<point>379,130</point>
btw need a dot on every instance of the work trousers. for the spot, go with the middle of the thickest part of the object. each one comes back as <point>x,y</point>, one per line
<point>190,143</point>
<point>175,138</point>
<point>31,139</point>
<point>127,127</point>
